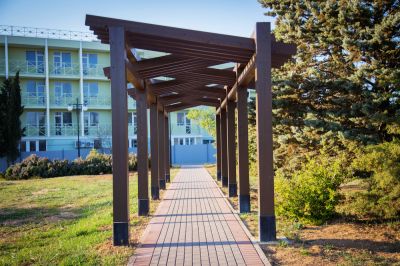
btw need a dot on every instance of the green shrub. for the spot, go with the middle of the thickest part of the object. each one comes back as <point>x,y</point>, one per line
<point>378,166</point>
<point>95,163</point>
<point>310,194</point>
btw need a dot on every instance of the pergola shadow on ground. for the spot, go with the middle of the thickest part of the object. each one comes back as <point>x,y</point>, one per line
<point>189,76</point>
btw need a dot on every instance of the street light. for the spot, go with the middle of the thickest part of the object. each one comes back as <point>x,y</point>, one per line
<point>78,107</point>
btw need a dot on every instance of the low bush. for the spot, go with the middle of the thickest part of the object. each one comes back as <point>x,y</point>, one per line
<point>378,168</point>
<point>95,163</point>
<point>310,195</point>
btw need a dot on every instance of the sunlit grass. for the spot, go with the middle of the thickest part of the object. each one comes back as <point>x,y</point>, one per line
<point>64,220</point>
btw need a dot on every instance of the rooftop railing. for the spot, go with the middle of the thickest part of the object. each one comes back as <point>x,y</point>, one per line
<point>47,33</point>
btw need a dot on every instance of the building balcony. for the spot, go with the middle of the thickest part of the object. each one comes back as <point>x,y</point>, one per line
<point>97,101</point>
<point>64,100</point>
<point>132,129</point>
<point>94,71</point>
<point>35,130</point>
<point>64,130</point>
<point>99,130</point>
<point>32,100</point>
<point>26,67</point>
<point>64,69</point>
<point>185,129</point>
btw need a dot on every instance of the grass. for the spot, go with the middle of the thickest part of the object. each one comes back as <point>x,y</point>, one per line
<point>65,221</point>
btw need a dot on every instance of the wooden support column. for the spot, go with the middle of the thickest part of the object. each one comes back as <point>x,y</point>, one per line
<point>161,152</point>
<point>119,114</point>
<point>224,150</point>
<point>166,149</point>
<point>142,152</point>
<point>243,151</point>
<point>155,189</point>
<point>218,141</point>
<point>267,224</point>
<point>230,120</point>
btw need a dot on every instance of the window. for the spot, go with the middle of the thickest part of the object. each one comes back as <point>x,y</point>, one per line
<point>180,120</point>
<point>34,61</point>
<point>35,123</point>
<point>32,145</point>
<point>189,141</point>
<point>208,141</point>
<point>184,141</point>
<point>134,143</point>
<point>42,145</point>
<point>62,62</point>
<point>89,62</point>
<point>22,146</point>
<point>63,92</point>
<point>183,120</point>
<point>90,91</point>
<point>132,121</point>
<point>91,119</point>
<point>35,91</point>
<point>62,119</point>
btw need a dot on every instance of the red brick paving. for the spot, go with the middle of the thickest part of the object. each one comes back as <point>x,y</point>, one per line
<point>194,225</point>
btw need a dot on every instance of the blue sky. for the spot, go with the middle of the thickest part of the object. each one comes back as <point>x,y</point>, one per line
<point>235,17</point>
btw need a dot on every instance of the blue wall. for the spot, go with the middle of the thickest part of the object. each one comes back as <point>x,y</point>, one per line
<point>193,154</point>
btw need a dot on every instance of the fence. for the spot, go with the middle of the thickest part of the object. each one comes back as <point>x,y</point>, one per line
<point>180,154</point>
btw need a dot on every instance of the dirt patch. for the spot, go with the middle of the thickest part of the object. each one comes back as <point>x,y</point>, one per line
<point>61,216</point>
<point>340,243</point>
<point>43,191</point>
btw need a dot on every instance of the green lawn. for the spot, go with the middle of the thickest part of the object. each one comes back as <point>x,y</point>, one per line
<point>64,220</point>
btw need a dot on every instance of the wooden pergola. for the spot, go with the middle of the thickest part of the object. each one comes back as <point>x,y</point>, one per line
<point>190,80</point>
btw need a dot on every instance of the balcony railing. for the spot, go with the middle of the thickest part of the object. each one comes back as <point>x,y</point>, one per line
<point>46,33</point>
<point>55,69</point>
<point>63,130</point>
<point>35,130</point>
<point>26,67</point>
<point>99,100</point>
<point>100,130</point>
<point>63,100</point>
<point>29,99</point>
<point>93,70</point>
<point>64,69</point>
<point>186,129</point>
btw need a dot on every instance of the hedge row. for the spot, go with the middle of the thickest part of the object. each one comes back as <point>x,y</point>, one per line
<point>33,166</point>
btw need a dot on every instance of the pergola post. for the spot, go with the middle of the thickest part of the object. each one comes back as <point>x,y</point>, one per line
<point>243,151</point>
<point>155,189</point>
<point>161,152</point>
<point>267,224</point>
<point>119,112</point>
<point>218,142</point>
<point>142,152</point>
<point>230,120</point>
<point>166,149</point>
<point>224,150</point>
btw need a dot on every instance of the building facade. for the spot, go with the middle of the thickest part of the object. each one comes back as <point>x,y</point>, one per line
<point>61,68</point>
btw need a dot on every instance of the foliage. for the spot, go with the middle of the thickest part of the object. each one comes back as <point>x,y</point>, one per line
<point>205,118</point>
<point>310,195</point>
<point>10,111</point>
<point>379,168</point>
<point>95,163</point>
<point>345,78</point>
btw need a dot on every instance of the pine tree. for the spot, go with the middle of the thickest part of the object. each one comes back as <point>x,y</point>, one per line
<point>345,80</point>
<point>10,112</point>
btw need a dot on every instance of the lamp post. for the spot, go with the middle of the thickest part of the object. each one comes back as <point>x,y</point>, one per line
<point>78,107</point>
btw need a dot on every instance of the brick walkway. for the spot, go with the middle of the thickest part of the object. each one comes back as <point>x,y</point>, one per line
<point>194,225</point>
